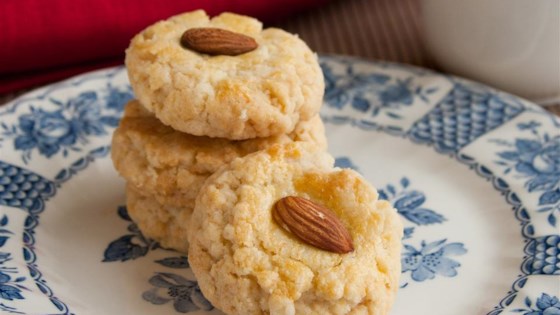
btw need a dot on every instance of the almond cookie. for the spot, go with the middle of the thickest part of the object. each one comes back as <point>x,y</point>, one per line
<point>162,223</point>
<point>261,93</point>
<point>172,165</point>
<point>246,262</point>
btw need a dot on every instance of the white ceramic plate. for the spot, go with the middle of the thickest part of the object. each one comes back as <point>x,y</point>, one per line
<point>474,173</point>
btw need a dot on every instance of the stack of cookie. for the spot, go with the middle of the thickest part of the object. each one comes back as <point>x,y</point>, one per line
<point>196,112</point>
<point>225,157</point>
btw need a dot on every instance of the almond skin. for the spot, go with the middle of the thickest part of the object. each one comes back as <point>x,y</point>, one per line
<point>312,223</point>
<point>217,41</point>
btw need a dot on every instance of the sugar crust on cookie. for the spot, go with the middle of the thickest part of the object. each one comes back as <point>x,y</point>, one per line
<point>258,94</point>
<point>246,264</point>
<point>172,165</point>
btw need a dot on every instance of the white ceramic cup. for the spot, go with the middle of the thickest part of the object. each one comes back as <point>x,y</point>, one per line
<point>513,45</point>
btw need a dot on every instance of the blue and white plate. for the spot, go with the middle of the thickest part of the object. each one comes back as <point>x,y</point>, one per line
<point>473,172</point>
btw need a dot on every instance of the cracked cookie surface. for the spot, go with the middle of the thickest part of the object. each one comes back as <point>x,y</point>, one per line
<point>171,166</point>
<point>261,93</point>
<point>246,264</point>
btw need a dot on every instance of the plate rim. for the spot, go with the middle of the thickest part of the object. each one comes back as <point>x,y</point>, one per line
<point>497,182</point>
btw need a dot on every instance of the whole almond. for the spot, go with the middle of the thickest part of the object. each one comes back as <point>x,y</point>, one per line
<point>313,223</point>
<point>217,41</point>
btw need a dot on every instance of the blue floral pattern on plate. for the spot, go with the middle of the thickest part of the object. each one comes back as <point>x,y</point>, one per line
<point>544,305</point>
<point>379,96</point>
<point>129,246</point>
<point>10,284</point>
<point>371,93</point>
<point>184,293</point>
<point>431,259</point>
<point>74,121</point>
<point>409,203</point>
<point>538,160</point>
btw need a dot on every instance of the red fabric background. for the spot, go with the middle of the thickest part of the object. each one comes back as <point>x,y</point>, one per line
<point>45,40</point>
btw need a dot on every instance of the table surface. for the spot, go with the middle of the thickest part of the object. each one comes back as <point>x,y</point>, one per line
<point>388,30</point>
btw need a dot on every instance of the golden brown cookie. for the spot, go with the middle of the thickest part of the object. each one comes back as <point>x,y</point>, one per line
<point>261,93</point>
<point>162,223</point>
<point>172,165</point>
<point>247,263</point>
